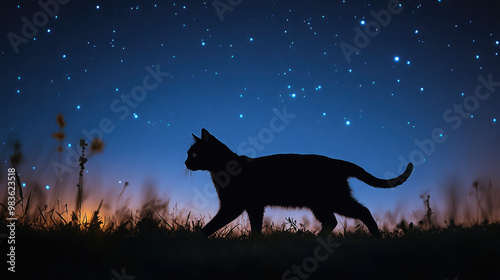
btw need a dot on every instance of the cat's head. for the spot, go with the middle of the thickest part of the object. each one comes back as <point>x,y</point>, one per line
<point>207,153</point>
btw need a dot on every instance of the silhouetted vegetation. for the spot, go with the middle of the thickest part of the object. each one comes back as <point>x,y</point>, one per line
<point>150,246</point>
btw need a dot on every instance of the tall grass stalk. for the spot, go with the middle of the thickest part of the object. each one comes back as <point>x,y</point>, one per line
<point>77,216</point>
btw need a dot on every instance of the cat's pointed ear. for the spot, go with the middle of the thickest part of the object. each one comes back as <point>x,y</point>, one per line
<point>205,135</point>
<point>196,138</point>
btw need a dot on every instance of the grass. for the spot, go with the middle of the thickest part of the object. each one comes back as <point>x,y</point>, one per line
<point>152,249</point>
<point>159,241</point>
<point>149,244</point>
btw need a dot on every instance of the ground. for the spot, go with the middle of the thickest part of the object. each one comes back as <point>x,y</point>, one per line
<point>451,253</point>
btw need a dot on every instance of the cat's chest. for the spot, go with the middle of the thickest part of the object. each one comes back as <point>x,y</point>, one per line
<point>232,186</point>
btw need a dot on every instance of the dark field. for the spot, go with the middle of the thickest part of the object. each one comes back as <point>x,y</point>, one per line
<point>156,252</point>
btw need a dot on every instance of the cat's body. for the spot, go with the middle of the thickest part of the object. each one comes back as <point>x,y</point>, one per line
<point>287,180</point>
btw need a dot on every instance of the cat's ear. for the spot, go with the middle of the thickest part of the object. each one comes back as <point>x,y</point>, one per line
<point>205,135</point>
<point>196,138</point>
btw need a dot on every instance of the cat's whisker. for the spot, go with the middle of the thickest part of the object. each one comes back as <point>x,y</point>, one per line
<point>188,173</point>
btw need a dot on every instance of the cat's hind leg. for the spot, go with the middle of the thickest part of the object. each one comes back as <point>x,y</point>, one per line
<point>327,219</point>
<point>353,209</point>
<point>256,215</point>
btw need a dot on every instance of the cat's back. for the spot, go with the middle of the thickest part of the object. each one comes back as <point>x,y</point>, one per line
<point>295,163</point>
<point>272,177</point>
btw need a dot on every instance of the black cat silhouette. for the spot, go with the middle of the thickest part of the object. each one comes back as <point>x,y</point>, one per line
<point>287,180</point>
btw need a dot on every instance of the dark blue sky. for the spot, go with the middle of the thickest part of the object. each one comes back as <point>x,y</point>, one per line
<point>414,73</point>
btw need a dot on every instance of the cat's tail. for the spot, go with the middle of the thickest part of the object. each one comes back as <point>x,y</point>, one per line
<point>369,179</point>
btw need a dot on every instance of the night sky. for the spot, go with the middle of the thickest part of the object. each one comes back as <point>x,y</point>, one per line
<point>353,84</point>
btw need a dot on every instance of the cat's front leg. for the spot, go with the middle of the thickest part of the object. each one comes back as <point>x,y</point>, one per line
<point>222,218</point>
